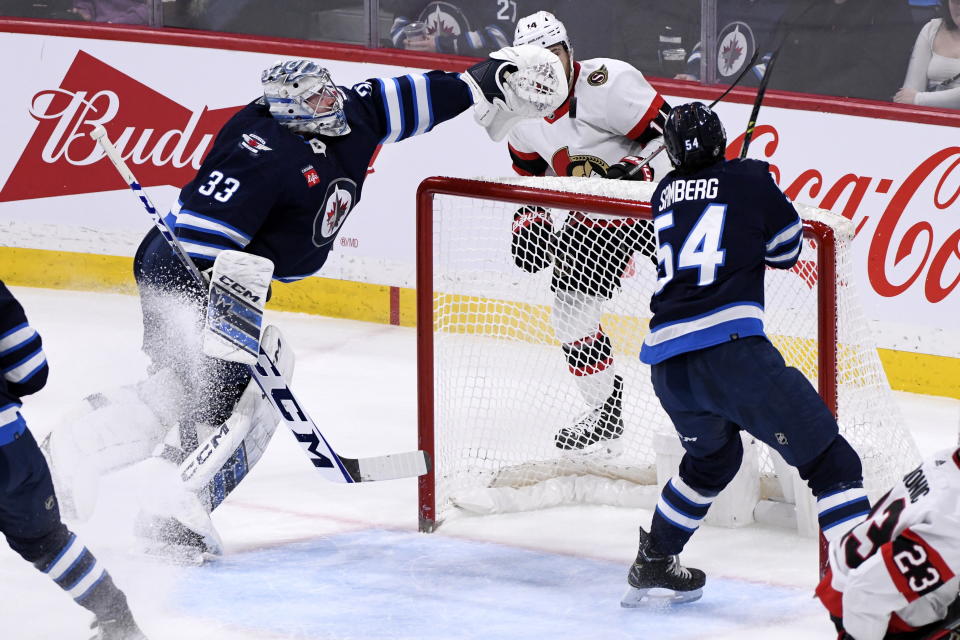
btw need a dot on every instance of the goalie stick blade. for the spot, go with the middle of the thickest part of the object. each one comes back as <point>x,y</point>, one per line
<point>394,466</point>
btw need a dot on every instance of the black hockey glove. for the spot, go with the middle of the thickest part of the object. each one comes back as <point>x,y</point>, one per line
<point>629,169</point>
<point>489,76</point>
<point>533,239</point>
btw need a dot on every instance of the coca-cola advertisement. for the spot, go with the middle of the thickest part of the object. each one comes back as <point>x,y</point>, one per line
<point>898,182</point>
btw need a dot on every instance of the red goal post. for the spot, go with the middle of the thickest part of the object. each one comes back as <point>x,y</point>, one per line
<point>474,215</point>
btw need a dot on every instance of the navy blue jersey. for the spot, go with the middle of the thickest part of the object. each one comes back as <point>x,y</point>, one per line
<point>284,196</point>
<point>717,229</point>
<point>22,362</point>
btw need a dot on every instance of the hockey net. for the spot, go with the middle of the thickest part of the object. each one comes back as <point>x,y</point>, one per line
<point>494,383</point>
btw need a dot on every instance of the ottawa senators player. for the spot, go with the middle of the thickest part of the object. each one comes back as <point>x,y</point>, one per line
<point>895,574</point>
<point>611,116</point>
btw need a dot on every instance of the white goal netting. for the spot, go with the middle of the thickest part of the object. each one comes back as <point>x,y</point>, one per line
<point>499,387</point>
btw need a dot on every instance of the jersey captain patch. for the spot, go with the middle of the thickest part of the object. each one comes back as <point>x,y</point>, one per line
<point>339,200</point>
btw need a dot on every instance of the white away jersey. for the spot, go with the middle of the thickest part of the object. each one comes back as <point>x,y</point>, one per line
<point>896,571</point>
<point>611,112</point>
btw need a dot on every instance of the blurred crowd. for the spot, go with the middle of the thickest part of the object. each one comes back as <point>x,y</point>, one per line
<point>907,51</point>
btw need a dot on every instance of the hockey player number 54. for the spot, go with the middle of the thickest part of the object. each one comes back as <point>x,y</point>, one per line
<point>701,248</point>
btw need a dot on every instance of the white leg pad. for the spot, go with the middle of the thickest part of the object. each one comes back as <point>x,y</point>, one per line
<point>252,423</point>
<point>109,431</point>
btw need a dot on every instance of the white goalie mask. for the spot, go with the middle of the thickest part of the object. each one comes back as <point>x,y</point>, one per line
<point>544,30</point>
<point>302,97</point>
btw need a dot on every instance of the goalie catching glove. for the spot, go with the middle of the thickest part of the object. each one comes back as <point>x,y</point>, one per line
<point>513,83</point>
<point>630,168</point>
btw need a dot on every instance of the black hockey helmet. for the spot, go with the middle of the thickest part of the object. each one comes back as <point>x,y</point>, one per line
<point>694,137</point>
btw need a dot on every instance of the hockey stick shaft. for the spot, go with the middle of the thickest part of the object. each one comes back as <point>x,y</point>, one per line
<point>748,134</point>
<point>332,466</point>
<point>636,169</point>
<point>736,81</point>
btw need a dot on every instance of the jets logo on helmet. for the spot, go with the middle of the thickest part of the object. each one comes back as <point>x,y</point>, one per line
<point>302,97</point>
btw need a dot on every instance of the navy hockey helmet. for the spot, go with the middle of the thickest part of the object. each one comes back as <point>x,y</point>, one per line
<point>694,137</point>
<point>302,96</point>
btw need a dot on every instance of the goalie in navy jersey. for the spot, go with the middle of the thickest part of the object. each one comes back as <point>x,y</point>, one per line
<point>719,224</point>
<point>29,510</point>
<point>279,182</point>
<point>611,116</point>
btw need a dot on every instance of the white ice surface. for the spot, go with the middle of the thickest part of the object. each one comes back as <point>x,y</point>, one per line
<point>309,559</point>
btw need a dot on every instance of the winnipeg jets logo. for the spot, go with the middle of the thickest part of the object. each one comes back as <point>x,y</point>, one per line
<point>734,48</point>
<point>254,143</point>
<point>444,19</point>
<point>339,200</point>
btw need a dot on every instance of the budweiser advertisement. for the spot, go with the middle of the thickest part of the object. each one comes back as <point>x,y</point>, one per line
<point>162,105</point>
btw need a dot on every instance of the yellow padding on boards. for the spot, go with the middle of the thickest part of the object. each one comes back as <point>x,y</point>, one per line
<point>916,372</point>
<point>922,373</point>
<point>523,322</point>
<point>114,274</point>
<point>66,270</point>
<point>343,299</point>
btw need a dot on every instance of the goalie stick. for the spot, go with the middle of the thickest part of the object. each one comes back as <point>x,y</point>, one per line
<point>638,167</point>
<point>333,467</point>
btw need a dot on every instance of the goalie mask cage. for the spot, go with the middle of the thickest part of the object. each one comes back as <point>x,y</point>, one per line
<point>494,385</point>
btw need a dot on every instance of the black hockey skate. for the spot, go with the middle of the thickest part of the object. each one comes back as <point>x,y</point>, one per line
<point>659,579</point>
<point>117,627</point>
<point>604,424</point>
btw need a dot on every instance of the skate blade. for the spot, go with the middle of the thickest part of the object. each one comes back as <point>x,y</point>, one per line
<point>602,449</point>
<point>635,598</point>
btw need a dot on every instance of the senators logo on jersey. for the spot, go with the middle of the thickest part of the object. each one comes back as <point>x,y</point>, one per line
<point>598,77</point>
<point>579,166</point>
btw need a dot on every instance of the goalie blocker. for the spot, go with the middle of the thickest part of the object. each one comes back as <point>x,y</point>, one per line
<point>239,289</point>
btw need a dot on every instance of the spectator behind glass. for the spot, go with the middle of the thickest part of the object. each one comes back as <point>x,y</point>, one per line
<point>114,11</point>
<point>622,29</point>
<point>286,19</point>
<point>743,27</point>
<point>844,48</point>
<point>933,77</point>
<point>467,28</point>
